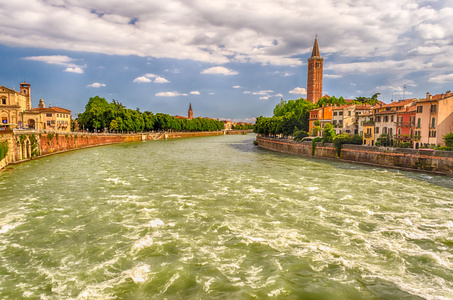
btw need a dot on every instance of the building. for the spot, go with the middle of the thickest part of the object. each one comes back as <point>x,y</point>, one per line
<point>13,103</point>
<point>16,111</point>
<point>405,126</point>
<point>323,115</point>
<point>434,119</point>
<point>190,112</point>
<point>314,77</point>
<point>385,116</point>
<point>345,118</point>
<point>366,128</point>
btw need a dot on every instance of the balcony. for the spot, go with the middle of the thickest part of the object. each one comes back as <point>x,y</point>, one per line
<point>405,124</point>
<point>404,137</point>
<point>367,135</point>
<point>368,123</point>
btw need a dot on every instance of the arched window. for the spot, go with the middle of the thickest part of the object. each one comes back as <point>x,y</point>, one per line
<point>433,122</point>
<point>418,122</point>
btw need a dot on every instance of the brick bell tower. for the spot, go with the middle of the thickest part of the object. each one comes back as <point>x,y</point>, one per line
<point>190,113</point>
<point>314,78</point>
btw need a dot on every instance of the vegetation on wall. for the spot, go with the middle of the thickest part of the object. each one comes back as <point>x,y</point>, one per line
<point>100,114</point>
<point>3,149</point>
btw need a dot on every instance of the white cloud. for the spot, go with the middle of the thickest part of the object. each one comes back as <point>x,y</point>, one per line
<point>265,92</point>
<point>142,79</point>
<point>170,94</point>
<point>146,78</point>
<point>442,78</point>
<point>77,70</point>
<point>247,92</point>
<point>61,60</point>
<point>264,98</point>
<point>219,70</point>
<point>96,85</point>
<point>288,74</point>
<point>160,80</point>
<point>236,86</point>
<point>332,76</point>
<point>195,93</point>
<point>298,91</point>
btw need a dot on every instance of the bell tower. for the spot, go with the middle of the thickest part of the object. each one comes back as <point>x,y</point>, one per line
<point>25,89</point>
<point>190,114</point>
<point>314,78</point>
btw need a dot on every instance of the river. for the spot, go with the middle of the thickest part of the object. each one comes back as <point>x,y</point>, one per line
<point>219,218</point>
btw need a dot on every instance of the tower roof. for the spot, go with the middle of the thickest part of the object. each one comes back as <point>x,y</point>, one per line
<point>315,51</point>
<point>190,106</point>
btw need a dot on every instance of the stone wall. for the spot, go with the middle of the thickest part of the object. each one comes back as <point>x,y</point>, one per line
<point>25,145</point>
<point>440,162</point>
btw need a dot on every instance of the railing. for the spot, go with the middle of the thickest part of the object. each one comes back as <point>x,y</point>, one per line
<point>405,124</point>
<point>367,135</point>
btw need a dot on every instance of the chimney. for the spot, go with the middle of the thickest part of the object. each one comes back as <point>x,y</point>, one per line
<point>448,93</point>
<point>442,96</point>
<point>428,96</point>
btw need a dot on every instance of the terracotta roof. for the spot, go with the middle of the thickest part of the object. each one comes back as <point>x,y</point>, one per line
<point>342,106</point>
<point>400,103</point>
<point>55,109</point>
<point>438,97</point>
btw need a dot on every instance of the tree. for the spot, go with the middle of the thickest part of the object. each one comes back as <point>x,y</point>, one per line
<point>328,133</point>
<point>383,140</point>
<point>448,139</point>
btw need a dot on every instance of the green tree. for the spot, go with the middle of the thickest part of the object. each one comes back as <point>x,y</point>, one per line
<point>448,139</point>
<point>328,133</point>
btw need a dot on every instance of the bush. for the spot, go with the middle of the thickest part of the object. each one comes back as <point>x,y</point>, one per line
<point>405,145</point>
<point>357,139</point>
<point>339,140</point>
<point>3,149</point>
<point>313,144</point>
<point>299,135</point>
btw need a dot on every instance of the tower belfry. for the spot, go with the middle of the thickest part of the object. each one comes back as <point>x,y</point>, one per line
<point>314,78</point>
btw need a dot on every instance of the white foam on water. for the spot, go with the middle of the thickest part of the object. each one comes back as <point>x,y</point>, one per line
<point>117,181</point>
<point>139,274</point>
<point>144,242</point>
<point>156,223</point>
<point>313,188</point>
<point>170,282</point>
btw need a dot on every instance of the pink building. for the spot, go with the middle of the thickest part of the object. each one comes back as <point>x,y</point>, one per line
<point>434,119</point>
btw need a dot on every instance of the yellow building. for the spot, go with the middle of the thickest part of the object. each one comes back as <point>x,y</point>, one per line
<point>16,112</point>
<point>12,104</point>
<point>366,126</point>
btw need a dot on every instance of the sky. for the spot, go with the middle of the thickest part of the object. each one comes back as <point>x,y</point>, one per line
<point>232,60</point>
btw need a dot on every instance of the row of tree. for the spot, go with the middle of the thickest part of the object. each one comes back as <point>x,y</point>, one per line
<point>100,114</point>
<point>291,118</point>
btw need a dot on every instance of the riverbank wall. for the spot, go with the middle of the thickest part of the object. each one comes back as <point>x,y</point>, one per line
<point>438,162</point>
<point>24,145</point>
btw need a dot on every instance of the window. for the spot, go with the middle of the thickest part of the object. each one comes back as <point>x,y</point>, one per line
<point>49,115</point>
<point>419,109</point>
<point>392,118</point>
<point>334,113</point>
<point>378,119</point>
<point>386,118</point>
<point>349,113</point>
<point>418,123</point>
<point>4,101</point>
<point>48,123</point>
<point>384,130</point>
<point>433,108</point>
<point>4,120</point>
<point>340,113</point>
<point>433,122</point>
<point>376,130</point>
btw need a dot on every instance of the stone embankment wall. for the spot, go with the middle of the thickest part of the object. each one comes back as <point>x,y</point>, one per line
<point>440,162</point>
<point>26,145</point>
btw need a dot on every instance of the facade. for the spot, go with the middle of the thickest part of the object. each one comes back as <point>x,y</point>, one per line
<point>405,126</point>
<point>366,127</point>
<point>323,115</point>
<point>385,116</point>
<point>12,104</point>
<point>345,118</point>
<point>314,77</point>
<point>16,111</point>
<point>434,119</point>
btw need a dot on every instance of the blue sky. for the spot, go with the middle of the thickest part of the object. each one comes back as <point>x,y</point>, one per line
<point>231,59</point>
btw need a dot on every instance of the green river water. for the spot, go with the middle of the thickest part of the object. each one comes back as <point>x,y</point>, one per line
<point>219,218</point>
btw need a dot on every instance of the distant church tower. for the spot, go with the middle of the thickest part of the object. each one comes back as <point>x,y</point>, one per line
<point>190,116</point>
<point>314,78</point>
<point>25,89</point>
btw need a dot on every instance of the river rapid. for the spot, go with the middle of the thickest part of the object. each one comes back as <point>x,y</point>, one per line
<point>219,218</point>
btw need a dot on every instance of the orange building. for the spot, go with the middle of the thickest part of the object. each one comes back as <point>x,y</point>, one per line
<point>323,115</point>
